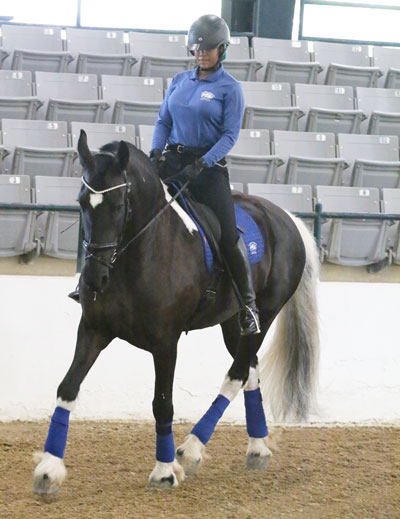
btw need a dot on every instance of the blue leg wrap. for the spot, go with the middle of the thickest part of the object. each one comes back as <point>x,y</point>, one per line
<point>165,448</point>
<point>206,425</point>
<point>255,416</point>
<point>58,432</point>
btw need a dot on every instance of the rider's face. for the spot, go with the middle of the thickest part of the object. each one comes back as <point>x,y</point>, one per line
<point>207,58</point>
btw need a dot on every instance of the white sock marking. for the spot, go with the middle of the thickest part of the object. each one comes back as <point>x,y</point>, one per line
<point>69,406</point>
<point>253,380</point>
<point>230,388</point>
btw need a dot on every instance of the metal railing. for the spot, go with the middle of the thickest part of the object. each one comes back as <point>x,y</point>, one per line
<point>318,216</point>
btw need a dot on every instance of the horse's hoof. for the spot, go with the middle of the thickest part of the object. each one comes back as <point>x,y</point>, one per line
<point>49,474</point>
<point>166,476</point>
<point>190,455</point>
<point>257,462</point>
<point>258,454</point>
<point>189,465</point>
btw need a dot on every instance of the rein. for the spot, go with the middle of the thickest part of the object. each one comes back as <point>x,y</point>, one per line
<point>91,248</point>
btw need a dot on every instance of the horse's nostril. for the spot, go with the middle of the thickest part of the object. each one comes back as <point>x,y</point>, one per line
<point>104,280</point>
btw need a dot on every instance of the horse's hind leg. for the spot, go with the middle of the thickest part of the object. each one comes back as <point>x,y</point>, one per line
<point>50,471</point>
<point>243,349</point>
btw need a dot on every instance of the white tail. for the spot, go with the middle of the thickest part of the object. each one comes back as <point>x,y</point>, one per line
<point>289,369</point>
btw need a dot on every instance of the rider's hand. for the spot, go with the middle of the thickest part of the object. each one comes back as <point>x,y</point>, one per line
<point>193,170</point>
<point>156,158</point>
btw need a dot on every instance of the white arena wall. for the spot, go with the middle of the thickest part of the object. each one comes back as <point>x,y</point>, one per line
<point>359,369</point>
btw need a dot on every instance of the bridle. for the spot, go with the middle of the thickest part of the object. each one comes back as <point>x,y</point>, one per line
<point>92,248</point>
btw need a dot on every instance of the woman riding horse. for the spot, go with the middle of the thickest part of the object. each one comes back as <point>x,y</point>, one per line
<point>198,124</point>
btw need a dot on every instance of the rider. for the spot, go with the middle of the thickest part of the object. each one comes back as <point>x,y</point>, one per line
<point>198,124</point>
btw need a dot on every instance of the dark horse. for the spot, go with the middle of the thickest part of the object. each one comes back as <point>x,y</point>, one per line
<point>143,280</point>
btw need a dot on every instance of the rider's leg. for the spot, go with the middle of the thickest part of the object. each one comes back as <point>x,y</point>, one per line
<point>213,189</point>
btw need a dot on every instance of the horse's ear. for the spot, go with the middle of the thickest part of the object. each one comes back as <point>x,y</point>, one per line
<point>85,156</point>
<point>123,155</point>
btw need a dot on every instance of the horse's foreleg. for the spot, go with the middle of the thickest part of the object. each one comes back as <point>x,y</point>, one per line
<point>50,471</point>
<point>167,472</point>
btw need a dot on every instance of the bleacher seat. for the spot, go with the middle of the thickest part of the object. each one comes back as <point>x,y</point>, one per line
<point>330,109</point>
<point>291,198</point>
<point>98,135</point>
<point>3,56</point>
<point>373,159</point>
<point>16,95</point>
<point>391,205</point>
<point>135,100</point>
<point>239,48</point>
<point>237,186</point>
<point>145,137</point>
<point>164,67</point>
<point>155,44</point>
<point>346,64</point>
<point>250,160</point>
<point>388,60</point>
<point>99,51</point>
<point>310,157</point>
<point>353,242</point>
<point>61,229</point>
<point>284,61</point>
<point>269,106</point>
<point>17,226</point>
<point>70,97</point>
<point>37,148</point>
<point>34,48</point>
<point>382,105</point>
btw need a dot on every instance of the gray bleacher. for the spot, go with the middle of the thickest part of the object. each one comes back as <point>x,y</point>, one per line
<point>134,100</point>
<point>70,97</point>
<point>391,205</point>
<point>98,52</point>
<point>310,158</point>
<point>250,160</point>
<point>237,186</point>
<point>159,54</point>
<point>34,48</point>
<point>16,95</point>
<point>60,229</point>
<point>388,60</point>
<point>329,108</point>
<point>269,106</point>
<point>284,61</point>
<point>346,64</point>
<point>353,242</point>
<point>99,134</point>
<point>37,148</point>
<point>373,159</point>
<point>382,105</point>
<point>145,137</point>
<point>292,198</point>
<point>17,226</point>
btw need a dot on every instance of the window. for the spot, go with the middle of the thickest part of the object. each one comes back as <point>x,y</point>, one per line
<point>42,12</point>
<point>360,20</point>
<point>150,14</point>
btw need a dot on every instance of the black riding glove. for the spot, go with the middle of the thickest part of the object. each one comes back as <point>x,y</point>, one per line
<point>193,170</point>
<point>156,158</point>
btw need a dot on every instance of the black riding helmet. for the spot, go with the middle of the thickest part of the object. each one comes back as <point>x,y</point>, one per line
<point>209,32</point>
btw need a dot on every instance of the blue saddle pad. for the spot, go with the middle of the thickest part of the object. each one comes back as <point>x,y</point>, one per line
<point>251,235</point>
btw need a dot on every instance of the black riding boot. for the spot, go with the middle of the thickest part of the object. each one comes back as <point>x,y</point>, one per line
<point>75,295</point>
<point>238,262</point>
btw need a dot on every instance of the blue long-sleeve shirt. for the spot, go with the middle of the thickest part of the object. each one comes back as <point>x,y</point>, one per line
<point>204,113</point>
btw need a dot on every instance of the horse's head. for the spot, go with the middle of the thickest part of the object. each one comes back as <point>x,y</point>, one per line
<point>105,207</point>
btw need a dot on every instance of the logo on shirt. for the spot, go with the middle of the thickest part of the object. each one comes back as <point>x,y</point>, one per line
<point>206,96</point>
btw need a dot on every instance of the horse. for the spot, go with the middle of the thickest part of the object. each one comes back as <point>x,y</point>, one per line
<point>143,280</point>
